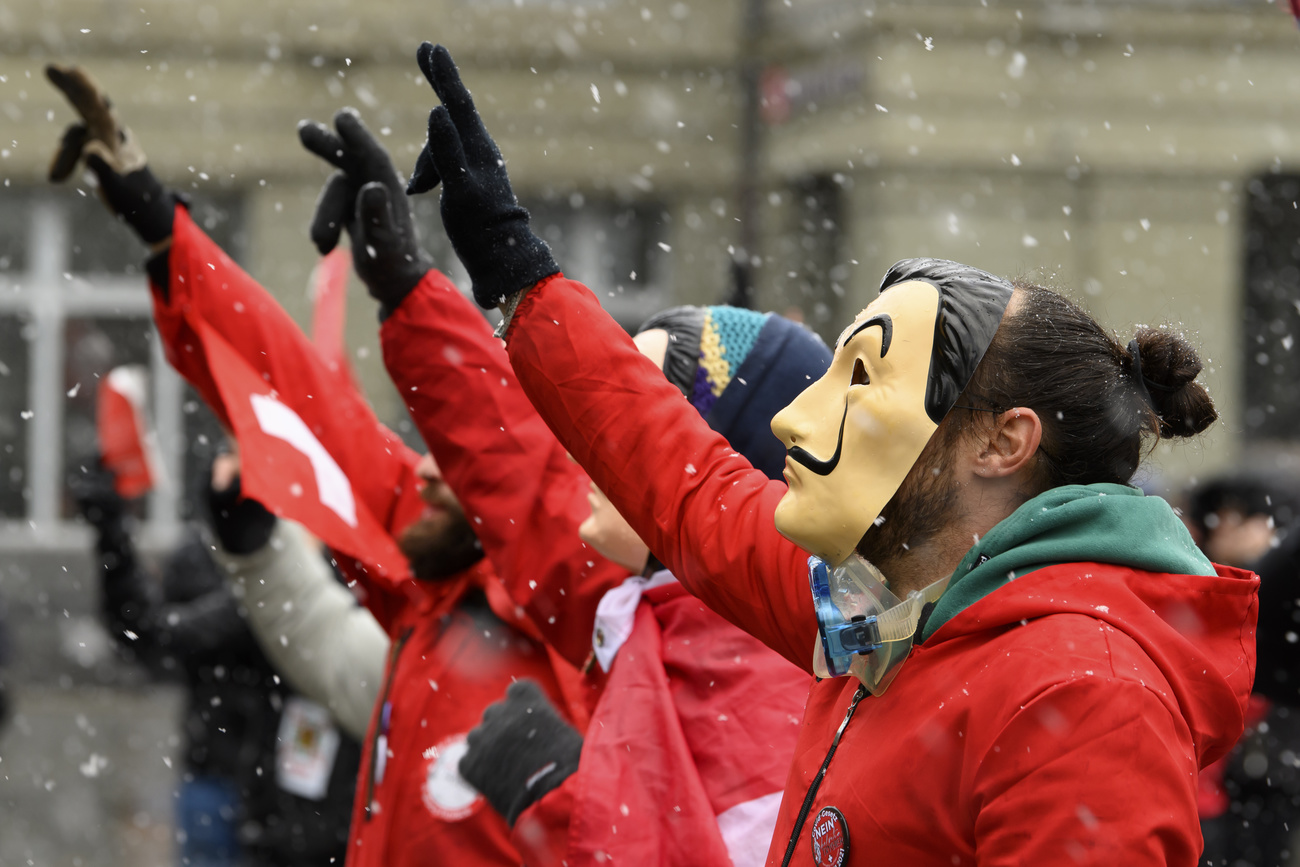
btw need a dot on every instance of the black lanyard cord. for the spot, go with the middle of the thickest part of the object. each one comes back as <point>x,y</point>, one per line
<point>821,774</point>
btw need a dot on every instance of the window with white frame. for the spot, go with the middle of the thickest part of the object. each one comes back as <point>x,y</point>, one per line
<point>74,303</point>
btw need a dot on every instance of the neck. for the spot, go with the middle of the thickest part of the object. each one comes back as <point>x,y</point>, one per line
<point>924,564</point>
<point>973,507</point>
<point>979,509</point>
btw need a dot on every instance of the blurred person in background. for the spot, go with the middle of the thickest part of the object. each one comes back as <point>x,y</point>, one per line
<point>456,641</point>
<point>1250,800</point>
<point>1236,519</point>
<point>266,777</point>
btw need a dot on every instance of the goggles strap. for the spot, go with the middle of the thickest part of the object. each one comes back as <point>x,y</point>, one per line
<point>899,623</point>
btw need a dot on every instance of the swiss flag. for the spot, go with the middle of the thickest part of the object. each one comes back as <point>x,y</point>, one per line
<point>125,444</point>
<point>284,466</point>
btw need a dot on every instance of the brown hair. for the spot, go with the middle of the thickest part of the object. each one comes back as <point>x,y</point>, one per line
<point>1097,400</point>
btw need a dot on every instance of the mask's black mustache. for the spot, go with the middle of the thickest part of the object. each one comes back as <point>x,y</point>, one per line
<point>822,468</point>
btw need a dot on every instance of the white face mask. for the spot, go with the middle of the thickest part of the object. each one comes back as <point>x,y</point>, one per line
<point>863,629</point>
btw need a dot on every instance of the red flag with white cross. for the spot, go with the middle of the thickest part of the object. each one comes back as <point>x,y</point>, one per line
<point>286,467</point>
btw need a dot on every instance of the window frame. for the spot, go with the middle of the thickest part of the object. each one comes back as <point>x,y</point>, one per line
<point>49,295</point>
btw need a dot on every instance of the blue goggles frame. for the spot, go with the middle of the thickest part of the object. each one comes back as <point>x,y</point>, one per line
<point>841,639</point>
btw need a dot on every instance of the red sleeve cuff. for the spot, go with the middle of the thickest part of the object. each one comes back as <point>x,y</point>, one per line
<point>541,833</point>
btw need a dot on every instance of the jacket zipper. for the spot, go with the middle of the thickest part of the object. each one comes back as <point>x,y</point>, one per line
<point>821,773</point>
<point>380,724</point>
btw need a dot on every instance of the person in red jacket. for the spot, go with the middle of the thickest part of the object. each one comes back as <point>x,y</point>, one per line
<point>677,679</point>
<point>1039,660</point>
<point>457,641</point>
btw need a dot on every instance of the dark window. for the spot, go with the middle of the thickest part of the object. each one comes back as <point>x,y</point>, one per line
<point>815,285</point>
<point>15,231</point>
<point>1271,320</point>
<point>103,244</point>
<point>15,411</point>
<point>617,250</point>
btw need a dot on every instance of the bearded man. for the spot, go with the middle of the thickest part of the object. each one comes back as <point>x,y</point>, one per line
<point>1037,662</point>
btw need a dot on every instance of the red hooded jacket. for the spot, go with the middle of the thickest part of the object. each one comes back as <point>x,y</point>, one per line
<point>695,713</point>
<point>1059,719</point>
<point>448,661</point>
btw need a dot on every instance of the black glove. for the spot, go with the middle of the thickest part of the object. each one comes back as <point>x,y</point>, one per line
<point>125,183</point>
<point>242,525</point>
<point>97,498</point>
<point>487,226</point>
<point>365,197</point>
<point>520,751</point>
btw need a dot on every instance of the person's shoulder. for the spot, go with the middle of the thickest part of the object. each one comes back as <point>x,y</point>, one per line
<point>1063,646</point>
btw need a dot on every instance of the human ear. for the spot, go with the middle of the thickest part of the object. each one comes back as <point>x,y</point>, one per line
<point>1010,445</point>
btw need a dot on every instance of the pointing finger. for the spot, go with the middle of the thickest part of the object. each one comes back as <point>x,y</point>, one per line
<point>320,140</point>
<point>332,210</point>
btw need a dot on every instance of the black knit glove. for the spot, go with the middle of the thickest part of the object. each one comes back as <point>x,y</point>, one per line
<point>97,498</point>
<point>520,751</point>
<point>485,222</point>
<point>126,185</point>
<point>242,525</point>
<point>365,197</point>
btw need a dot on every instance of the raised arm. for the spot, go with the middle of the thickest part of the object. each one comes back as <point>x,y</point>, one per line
<point>510,475</point>
<point>704,511</point>
<point>135,609</point>
<point>195,283</point>
<point>308,624</point>
<point>206,285</point>
<point>310,627</point>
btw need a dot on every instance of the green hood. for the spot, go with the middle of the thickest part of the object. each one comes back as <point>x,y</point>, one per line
<point>1073,524</point>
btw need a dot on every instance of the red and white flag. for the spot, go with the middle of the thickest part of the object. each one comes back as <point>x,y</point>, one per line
<point>285,467</point>
<point>126,444</point>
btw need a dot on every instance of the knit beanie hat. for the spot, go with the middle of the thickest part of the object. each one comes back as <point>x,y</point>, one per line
<point>739,368</point>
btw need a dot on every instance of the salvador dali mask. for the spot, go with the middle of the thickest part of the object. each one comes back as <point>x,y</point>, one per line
<point>853,436</point>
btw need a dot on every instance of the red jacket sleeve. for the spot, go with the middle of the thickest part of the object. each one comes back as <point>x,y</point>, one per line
<point>206,283</point>
<point>702,509</point>
<point>514,480</point>
<point>541,834</point>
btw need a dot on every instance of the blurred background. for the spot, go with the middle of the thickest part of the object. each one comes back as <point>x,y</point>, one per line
<point>1143,156</point>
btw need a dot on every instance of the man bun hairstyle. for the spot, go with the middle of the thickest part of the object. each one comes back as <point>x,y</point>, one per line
<point>1098,400</point>
<point>1168,366</point>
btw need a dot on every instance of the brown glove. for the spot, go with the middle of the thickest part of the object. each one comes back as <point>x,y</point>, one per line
<point>126,185</point>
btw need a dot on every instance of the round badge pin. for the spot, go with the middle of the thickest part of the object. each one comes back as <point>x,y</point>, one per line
<point>830,838</point>
<point>445,793</point>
